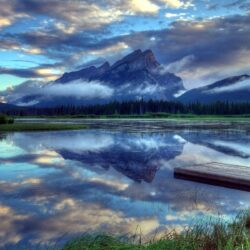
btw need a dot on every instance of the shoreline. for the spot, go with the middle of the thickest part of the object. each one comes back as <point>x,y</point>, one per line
<point>39,127</point>
<point>163,117</point>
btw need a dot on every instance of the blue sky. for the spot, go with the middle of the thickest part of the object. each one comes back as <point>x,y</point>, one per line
<point>40,40</point>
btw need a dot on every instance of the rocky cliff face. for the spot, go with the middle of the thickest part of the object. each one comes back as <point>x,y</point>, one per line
<point>138,74</point>
<point>87,73</point>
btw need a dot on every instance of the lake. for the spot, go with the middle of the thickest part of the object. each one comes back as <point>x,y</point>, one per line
<point>114,177</point>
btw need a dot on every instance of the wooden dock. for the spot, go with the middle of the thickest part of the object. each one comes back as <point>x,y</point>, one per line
<point>231,176</point>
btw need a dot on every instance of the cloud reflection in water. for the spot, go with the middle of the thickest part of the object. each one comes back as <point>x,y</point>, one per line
<point>58,183</point>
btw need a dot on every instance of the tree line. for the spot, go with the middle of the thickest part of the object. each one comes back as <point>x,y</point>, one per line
<point>139,107</point>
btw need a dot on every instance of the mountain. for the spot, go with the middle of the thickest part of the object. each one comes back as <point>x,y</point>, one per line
<point>232,89</point>
<point>89,73</point>
<point>6,107</point>
<point>136,76</point>
<point>137,69</point>
<point>127,155</point>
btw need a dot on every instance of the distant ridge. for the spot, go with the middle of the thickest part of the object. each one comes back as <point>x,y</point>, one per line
<point>5,107</point>
<point>232,89</point>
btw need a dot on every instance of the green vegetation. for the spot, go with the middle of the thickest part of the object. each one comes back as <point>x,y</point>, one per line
<point>167,116</point>
<point>4,119</point>
<point>138,108</point>
<point>38,127</point>
<point>209,236</point>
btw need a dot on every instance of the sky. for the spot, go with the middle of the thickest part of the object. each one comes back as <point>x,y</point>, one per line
<point>201,41</point>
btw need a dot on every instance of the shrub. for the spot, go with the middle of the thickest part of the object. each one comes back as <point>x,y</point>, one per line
<point>6,120</point>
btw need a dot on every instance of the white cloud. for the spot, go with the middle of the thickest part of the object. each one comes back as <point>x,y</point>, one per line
<point>4,21</point>
<point>142,89</point>
<point>174,15</point>
<point>176,4</point>
<point>177,66</point>
<point>181,92</point>
<point>110,49</point>
<point>75,142</point>
<point>77,89</point>
<point>143,6</point>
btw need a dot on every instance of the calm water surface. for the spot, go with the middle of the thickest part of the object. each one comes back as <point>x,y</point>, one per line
<point>115,178</point>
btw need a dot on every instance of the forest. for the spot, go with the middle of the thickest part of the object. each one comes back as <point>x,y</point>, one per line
<point>139,107</point>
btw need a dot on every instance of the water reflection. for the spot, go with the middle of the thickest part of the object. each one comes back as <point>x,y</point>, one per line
<point>55,185</point>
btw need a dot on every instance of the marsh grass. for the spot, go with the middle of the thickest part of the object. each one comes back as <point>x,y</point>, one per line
<point>191,117</point>
<point>207,235</point>
<point>218,235</point>
<point>4,119</point>
<point>20,127</point>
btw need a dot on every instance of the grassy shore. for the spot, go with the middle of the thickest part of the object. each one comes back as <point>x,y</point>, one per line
<point>191,117</point>
<point>208,236</point>
<point>16,127</point>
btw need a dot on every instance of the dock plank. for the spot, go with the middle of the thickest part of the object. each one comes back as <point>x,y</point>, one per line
<point>226,175</point>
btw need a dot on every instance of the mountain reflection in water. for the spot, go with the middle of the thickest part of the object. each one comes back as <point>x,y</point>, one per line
<point>56,185</point>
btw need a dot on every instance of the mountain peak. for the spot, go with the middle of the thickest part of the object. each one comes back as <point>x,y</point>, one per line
<point>105,65</point>
<point>148,52</point>
<point>101,70</point>
<point>128,58</point>
<point>150,60</point>
<point>138,60</point>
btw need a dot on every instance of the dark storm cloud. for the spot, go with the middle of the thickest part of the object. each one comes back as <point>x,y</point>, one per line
<point>235,3</point>
<point>245,6</point>
<point>241,4</point>
<point>66,14</point>
<point>24,73</point>
<point>210,41</point>
<point>41,71</point>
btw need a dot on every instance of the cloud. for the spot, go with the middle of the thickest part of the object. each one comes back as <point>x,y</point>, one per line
<point>177,3</point>
<point>199,75</point>
<point>242,85</point>
<point>24,73</point>
<point>81,32</point>
<point>174,15</point>
<point>5,21</point>
<point>8,16</point>
<point>141,90</point>
<point>76,208</point>
<point>144,6</point>
<point>237,3</point>
<point>178,66</point>
<point>71,16</point>
<point>6,45</point>
<point>8,232</point>
<point>77,89</point>
<point>207,41</point>
<point>37,72</point>
<point>110,49</point>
